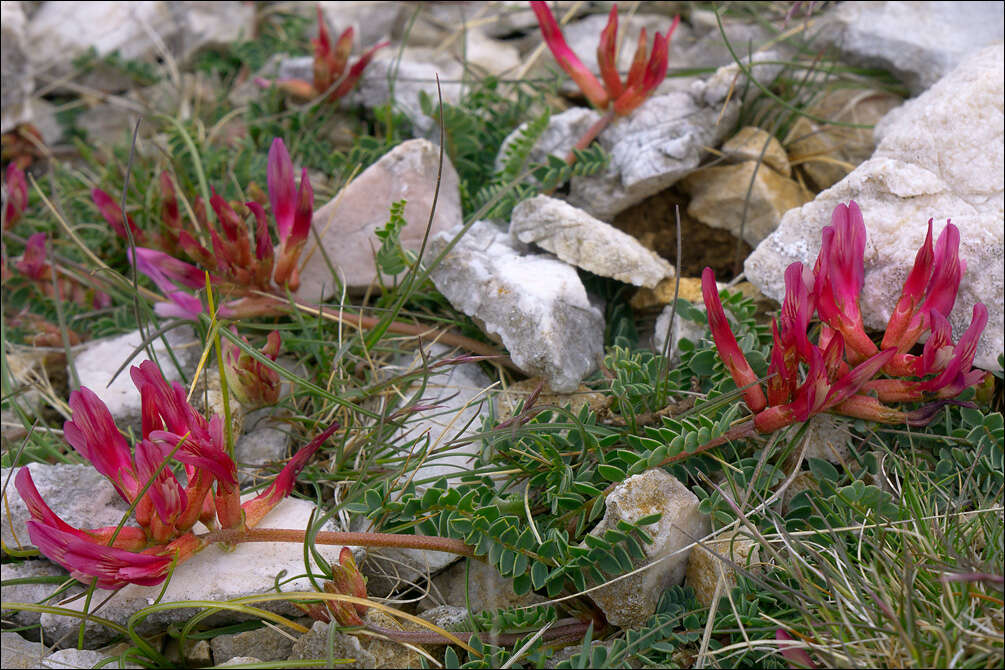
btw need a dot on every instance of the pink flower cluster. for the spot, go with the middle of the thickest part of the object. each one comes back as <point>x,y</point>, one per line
<point>329,66</point>
<point>229,257</point>
<point>165,509</point>
<point>839,372</point>
<point>643,75</point>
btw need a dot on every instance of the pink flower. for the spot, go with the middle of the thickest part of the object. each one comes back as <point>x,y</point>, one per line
<point>329,63</point>
<point>33,264</point>
<point>256,508</point>
<point>113,215</point>
<point>167,272</point>
<point>167,510</point>
<point>251,382</point>
<point>567,59</point>
<point>17,195</point>
<point>725,342</point>
<point>292,213</point>
<point>796,656</point>
<point>643,76</point>
<point>830,382</point>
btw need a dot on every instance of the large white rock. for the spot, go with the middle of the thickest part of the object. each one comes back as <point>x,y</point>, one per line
<point>918,41</point>
<point>940,156</point>
<point>534,303</point>
<point>347,223</point>
<point>18,81</point>
<point>588,243</point>
<point>77,493</point>
<point>212,574</point>
<point>631,601</point>
<point>61,31</point>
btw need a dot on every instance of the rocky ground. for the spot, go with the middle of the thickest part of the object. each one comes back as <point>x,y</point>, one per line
<point>915,133</point>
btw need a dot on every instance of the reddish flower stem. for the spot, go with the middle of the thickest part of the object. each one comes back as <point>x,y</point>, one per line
<point>433,543</point>
<point>591,134</point>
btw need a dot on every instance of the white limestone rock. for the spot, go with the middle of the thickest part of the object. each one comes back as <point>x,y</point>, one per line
<point>62,31</point>
<point>29,592</point>
<point>629,602</point>
<point>683,329</point>
<point>534,303</point>
<point>77,493</point>
<point>347,223</point>
<point>940,156</point>
<point>212,574</point>
<point>898,35</point>
<point>18,81</point>
<point>581,240</point>
<point>97,363</point>
<point>18,653</point>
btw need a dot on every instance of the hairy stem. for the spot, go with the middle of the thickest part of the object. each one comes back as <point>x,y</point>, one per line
<point>402,541</point>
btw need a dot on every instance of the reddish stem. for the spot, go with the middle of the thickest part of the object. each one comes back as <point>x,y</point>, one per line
<point>432,543</point>
<point>590,135</point>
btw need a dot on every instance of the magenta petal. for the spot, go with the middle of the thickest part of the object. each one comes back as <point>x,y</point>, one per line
<point>93,433</point>
<point>165,492</point>
<point>282,193</point>
<point>85,558</point>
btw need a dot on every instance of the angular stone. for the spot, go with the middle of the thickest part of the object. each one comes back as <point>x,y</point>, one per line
<point>749,145</point>
<point>581,240</point>
<point>99,360</point>
<point>535,304</point>
<point>509,399</point>
<point>719,198</point>
<point>77,493</point>
<point>29,593</point>
<point>239,660</point>
<point>705,568</point>
<point>314,645</point>
<point>346,225</point>
<point>561,134</point>
<point>76,658</point>
<point>895,35</point>
<point>486,589</point>
<point>940,156</point>
<point>706,48</point>
<point>17,82</point>
<point>265,644</point>
<point>630,602</point>
<point>658,144</point>
<point>829,438</point>
<point>212,574</point>
<point>18,653</point>
<point>828,152</point>
<point>663,293</point>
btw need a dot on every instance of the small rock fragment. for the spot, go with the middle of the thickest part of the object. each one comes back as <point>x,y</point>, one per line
<point>346,225</point>
<point>705,568</point>
<point>749,145</point>
<point>265,644</point>
<point>663,293</point>
<point>630,602</point>
<point>535,304</point>
<point>828,152</point>
<point>581,240</point>
<point>29,593</point>
<point>719,198</point>
<point>682,329</point>
<point>18,653</point>
<point>481,583</point>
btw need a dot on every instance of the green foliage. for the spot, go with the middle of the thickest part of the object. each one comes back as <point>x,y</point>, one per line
<point>140,72</point>
<point>392,257</point>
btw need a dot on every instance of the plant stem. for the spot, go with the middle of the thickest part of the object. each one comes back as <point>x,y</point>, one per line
<point>402,541</point>
<point>590,135</point>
